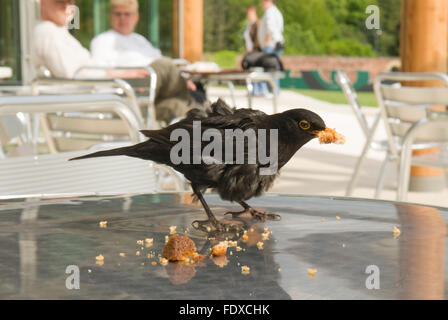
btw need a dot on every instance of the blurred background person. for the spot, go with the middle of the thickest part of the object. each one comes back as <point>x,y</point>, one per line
<point>251,31</point>
<point>122,47</point>
<point>252,44</point>
<point>55,49</point>
<point>270,32</point>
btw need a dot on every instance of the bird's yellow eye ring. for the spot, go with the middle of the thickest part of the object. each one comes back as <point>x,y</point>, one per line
<point>304,125</point>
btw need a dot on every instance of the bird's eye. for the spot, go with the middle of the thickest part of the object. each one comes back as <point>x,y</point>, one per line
<point>304,125</point>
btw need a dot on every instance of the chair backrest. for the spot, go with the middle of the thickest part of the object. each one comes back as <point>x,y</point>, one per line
<point>344,82</point>
<point>13,127</point>
<point>53,174</point>
<point>403,105</point>
<point>75,106</point>
<point>80,130</point>
<point>144,88</point>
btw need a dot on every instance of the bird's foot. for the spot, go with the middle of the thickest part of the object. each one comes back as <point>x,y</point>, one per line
<point>256,214</point>
<point>214,225</point>
<point>208,225</point>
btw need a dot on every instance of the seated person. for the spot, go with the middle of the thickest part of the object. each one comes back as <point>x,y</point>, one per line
<point>57,50</point>
<point>122,47</point>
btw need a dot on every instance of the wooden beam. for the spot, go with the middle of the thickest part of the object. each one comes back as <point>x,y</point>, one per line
<point>190,14</point>
<point>424,45</point>
<point>193,30</point>
<point>176,29</point>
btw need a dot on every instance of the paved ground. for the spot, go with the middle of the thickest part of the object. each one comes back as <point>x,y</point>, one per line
<point>326,170</point>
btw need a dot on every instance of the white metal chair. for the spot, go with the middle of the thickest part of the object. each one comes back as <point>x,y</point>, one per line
<point>13,128</point>
<point>434,127</point>
<point>45,174</point>
<point>369,132</point>
<point>144,89</point>
<point>81,130</point>
<point>409,121</point>
<point>53,174</point>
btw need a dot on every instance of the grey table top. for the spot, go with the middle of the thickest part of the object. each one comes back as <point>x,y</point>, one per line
<point>340,238</point>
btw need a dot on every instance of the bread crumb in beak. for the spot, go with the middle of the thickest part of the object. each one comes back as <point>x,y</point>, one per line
<point>328,136</point>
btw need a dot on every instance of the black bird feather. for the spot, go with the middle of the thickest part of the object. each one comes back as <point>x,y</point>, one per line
<point>233,182</point>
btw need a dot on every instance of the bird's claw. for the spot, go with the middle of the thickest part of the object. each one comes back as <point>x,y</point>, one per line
<point>210,225</point>
<point>205,225</point>
<point>256,214</point>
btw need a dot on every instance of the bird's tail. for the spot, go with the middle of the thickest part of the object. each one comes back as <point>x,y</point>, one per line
<point>125,151</point>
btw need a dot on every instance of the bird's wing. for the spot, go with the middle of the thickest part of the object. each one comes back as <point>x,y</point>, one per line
<point>159,136</point>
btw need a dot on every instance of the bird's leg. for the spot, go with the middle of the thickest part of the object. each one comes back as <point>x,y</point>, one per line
<point>257,214</point>
<point>211,217</point>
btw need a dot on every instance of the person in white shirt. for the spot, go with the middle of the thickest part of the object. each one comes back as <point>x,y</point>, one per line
<point>53,46</point>
<point>122,47</point>
<point>57,50</point>
<point>270,33</point>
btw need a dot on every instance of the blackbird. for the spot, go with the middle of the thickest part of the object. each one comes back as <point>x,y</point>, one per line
<point>236,182</point>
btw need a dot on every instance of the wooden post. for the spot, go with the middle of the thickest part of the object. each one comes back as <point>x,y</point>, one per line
<point>424,37</point>
<point>190,14</point>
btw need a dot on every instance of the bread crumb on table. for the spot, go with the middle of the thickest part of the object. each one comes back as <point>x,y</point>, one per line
<point>397,232</point>
<point>173,229</point>
<point>103,224</point>
<point>245,270</point>
<point>179,248</point>
<point>100,260</point>
<point>149,242</point>
<point>220,249</point>
<point>312,273</point>
<point>260,245</point>
<point>231,243</point>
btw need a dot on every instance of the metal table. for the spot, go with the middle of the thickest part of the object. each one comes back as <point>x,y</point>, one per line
<point>340,238</point>
<point>231,75</point>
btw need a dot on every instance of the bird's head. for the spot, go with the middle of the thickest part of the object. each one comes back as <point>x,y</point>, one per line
<point>308,123</point>
<point>309,126</point>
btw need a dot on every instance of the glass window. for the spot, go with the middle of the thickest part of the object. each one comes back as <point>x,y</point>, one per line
<point>10,38</point>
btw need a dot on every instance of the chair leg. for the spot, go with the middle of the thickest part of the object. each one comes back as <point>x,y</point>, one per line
<point>404,173</point>
<point>380,183</point>
<point>356,172</point>
<point>361,159</point>
<point>232,92</point>
<point>250,89</point>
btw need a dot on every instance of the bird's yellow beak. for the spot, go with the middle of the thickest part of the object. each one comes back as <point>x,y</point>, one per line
<point>329,135</point>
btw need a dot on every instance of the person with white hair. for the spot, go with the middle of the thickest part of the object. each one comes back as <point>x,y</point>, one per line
<point>63,55</point>
<point>57,50</point>
<point>122,47</point>
<point>270,33</point>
